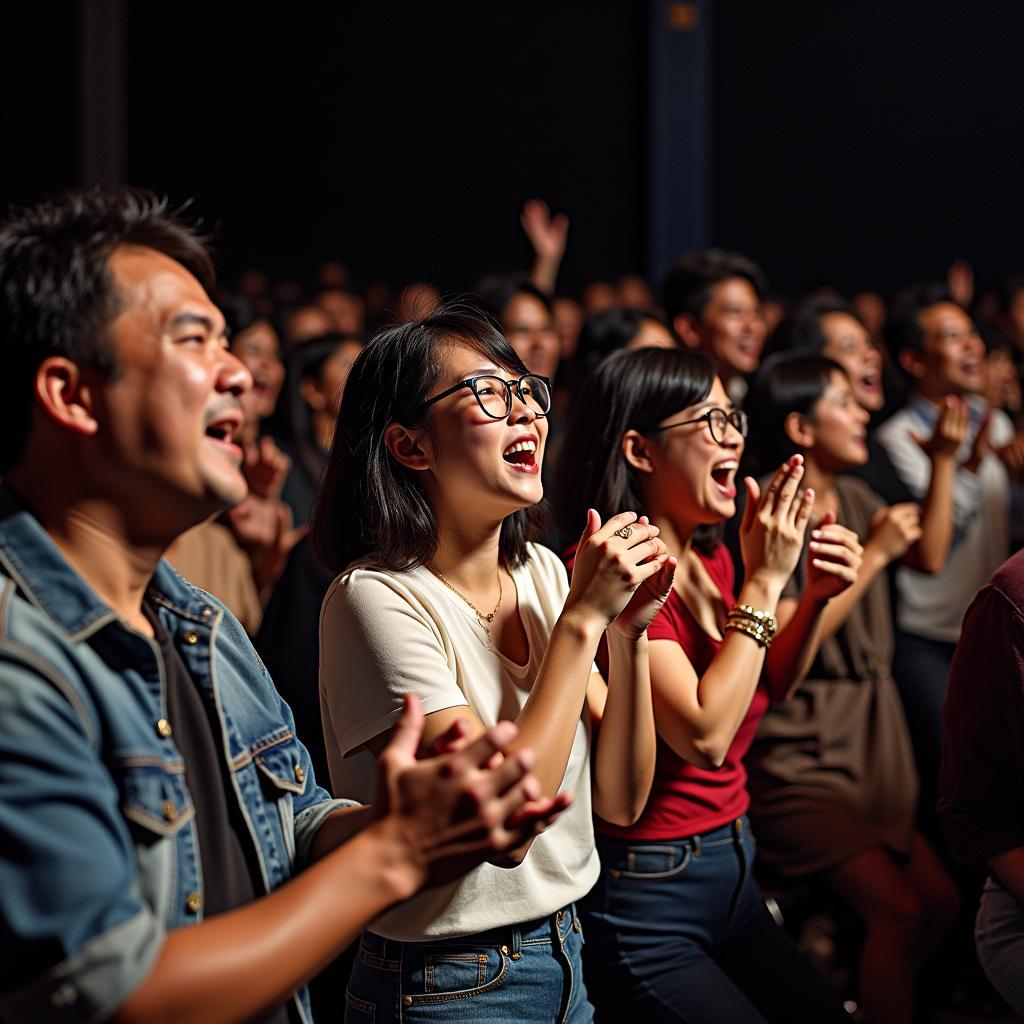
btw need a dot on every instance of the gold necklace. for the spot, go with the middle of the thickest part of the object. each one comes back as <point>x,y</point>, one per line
<point>484,620</point>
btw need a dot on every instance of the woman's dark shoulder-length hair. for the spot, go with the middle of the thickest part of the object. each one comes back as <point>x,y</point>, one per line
<point>368,501</point>
<point>627,391</point>
<point>786,382</point>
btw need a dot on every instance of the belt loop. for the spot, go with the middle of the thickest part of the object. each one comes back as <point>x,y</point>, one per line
<point>696,844</point>
<point>517,942</point>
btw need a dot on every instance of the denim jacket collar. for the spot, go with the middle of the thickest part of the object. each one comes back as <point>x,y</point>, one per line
<point>43,574</point>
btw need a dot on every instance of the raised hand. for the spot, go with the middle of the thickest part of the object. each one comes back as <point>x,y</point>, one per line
<point>960,281</point>
<point>894,529</point>
<point>646,602</point>
<point>950,430</point>
<point>612,561</point>
<point>834,558</point>
<point>548,235</point>
<point>774,523</point>
<point>266,468</point>
<point>1012,456</point>
<point>449,813</point>
<point>982,444</point>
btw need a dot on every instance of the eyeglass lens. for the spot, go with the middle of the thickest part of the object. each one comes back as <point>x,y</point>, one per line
<point>719,419</point>
<point>493,395</point>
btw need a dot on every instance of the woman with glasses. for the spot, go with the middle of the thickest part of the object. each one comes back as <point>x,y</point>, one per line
<point>676,928</point>
<point>832,776</point>
<point>429,501</point>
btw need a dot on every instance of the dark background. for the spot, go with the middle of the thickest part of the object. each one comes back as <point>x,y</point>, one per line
<point>863,144</point>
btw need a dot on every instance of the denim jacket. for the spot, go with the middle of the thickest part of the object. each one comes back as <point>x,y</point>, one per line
<point>98,850</point>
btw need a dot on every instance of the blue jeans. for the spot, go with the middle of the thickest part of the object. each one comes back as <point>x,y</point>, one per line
<point>677,931</point>
<point>528,972</point>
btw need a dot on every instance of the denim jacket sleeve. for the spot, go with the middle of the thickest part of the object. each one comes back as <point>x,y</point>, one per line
<point>82,939</point>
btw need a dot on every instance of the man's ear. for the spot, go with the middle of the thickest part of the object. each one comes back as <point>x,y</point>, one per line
<point>405,447</point>
<point>798,430</point>
<point>636,449</point>
<point>913,362</point>
<point>66,393</point>
<point>685,325</point>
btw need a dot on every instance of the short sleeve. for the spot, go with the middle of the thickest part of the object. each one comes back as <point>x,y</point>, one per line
<point>378,642</point>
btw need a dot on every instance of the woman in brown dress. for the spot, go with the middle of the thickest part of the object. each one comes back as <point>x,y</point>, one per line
<point>831,771</point>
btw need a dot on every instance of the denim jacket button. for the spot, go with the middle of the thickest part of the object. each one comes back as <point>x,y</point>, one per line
<point>191,638</point>
<point>300,774</point>
<point>407,1000</point>
<point>163,728</point>
<point>194,902</point>
<point>170,810</point>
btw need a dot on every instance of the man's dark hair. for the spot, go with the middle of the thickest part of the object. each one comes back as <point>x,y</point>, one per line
<point>802,332</point>
<point>628,391</point>
<point>497,291</point>
<point>608,330</point>
<point>57,296</point>
<point>368,501</point>
<point>687,287</point>
<point>903,326</point>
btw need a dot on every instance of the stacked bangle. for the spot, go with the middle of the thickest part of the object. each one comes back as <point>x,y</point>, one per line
<point>755,623</point>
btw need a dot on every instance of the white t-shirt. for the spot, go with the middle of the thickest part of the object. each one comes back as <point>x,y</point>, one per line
<point>384,634</point>
<point>934,606</point>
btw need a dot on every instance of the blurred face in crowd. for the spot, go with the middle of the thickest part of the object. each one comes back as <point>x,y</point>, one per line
<point>171,414</point>
<point>530,330</point>
<point>635,292</point>
<point>731,328</point>
<point>598,295</point>
<point>416,301</point>
<point>652,334</point>
<point>568,317</point>
<point>304,323</point>
<point>952,353</point>
<point>850,345</point>
<point>870,310</point>
<point>836,433</point>
<point>1016,315</point>
<point>323,392</point>
<point>344,310</point>
<point>258,348</point>
<point>1002,384</point>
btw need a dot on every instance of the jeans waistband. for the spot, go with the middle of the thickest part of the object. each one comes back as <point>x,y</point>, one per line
<point>726,835</point>
<point>539,931</point>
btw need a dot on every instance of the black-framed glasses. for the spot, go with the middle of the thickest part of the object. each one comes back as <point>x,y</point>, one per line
<point>718,421</point>
<point>494,395</point>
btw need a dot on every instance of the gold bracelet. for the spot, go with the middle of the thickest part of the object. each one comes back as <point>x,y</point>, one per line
<point>754,631</point>
<point>744,612</point>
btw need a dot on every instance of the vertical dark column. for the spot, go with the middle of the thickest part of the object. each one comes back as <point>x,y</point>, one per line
<point>679,200</point>
<point>101,92</point>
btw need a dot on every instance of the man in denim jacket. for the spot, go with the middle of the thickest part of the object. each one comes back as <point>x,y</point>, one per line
<point>140,736</point>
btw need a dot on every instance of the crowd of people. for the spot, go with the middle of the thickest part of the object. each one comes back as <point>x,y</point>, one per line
<point>394,643</point>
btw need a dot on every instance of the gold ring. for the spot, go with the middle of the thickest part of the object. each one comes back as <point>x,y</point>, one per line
<point>624,532</point>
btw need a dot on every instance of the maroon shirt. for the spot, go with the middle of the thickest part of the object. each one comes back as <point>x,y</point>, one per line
<point>981,782</point>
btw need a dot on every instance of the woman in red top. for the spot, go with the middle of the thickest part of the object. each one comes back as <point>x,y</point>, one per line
<point>676,927</point>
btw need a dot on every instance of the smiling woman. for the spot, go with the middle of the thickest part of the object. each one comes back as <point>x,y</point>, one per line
<point>677,929</point>
<point>430,501</point>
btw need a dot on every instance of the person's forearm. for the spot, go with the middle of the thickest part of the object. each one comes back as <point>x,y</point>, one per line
<point>929,553</point>
<point>703,733</point>
<point>241,963</point>
<point>548,719</point>
<point>625,753</point>
<point>1009,868</point>
<point>337,828</point>
<point>794,648</point>
<point>544,274</point>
